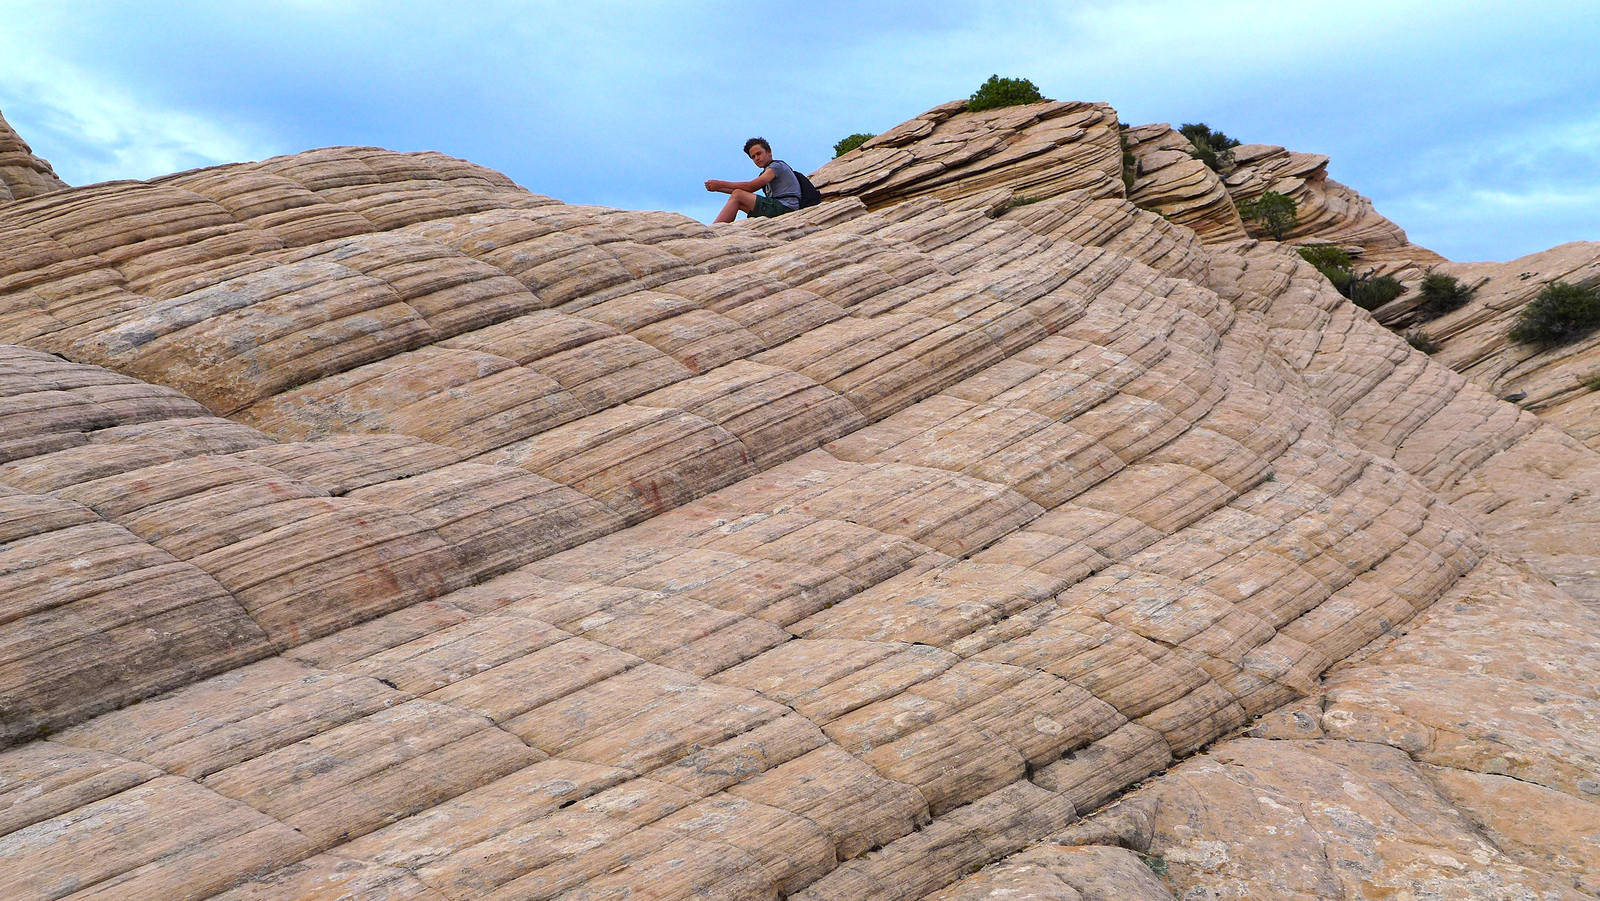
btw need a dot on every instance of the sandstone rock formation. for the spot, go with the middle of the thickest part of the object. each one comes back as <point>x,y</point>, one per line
<point>21,173</point>
<point>376,528</point>
<point>1016,156</point>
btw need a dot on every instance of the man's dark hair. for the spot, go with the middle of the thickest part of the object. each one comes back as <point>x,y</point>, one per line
<point>755,141</point>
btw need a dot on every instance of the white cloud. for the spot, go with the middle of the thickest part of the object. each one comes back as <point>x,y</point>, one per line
<point>92,130</point>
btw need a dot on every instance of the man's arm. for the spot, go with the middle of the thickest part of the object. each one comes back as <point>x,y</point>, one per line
<point>753,185</point>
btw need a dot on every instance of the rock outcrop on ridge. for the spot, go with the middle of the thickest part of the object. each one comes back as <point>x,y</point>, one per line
<point>1557,383</point>
<point>1027,152</point>
<point>1180,187</point>
<point>21,173</point>
<point>377,528</point>
<point>1327,211</point>
<point>1169,180</point>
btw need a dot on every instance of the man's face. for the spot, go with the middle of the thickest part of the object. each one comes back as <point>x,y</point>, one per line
<point>761,156</point>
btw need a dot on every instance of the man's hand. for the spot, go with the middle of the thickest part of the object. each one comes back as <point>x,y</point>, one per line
<point>717,186</point>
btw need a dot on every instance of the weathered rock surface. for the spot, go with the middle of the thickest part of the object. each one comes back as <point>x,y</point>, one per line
<point>458,543</point>
<point>1447,763</point>
<point>1472,340</point>
<point>21,173</point>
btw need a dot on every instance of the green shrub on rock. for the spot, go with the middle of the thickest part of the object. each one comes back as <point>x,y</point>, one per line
<point>1130,163</point>
<point>1371,291</point>
<point>1419,339</point>
<point>1441,294</point>
<point>1213,148</point>
<point>1331,260</point>
<point>1367,291</point>
<point>1276,213</point>
<point>1561,314</point>
<point>851,142</point>
<point>998,92</point>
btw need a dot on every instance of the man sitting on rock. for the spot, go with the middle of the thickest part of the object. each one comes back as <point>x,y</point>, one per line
<point>777,182</point>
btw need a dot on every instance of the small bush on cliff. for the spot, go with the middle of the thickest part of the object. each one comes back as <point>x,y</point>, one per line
<point>1276,213</point>
<point>850,142</point>
<point>1562,313</point>
<point>1419,339</point>
<point>1441,294</point>
<point>1370,291</point>
<point>1367,291</point>
<point>998,92</point>
<point>1331,260</point>
<point>1213,148</point>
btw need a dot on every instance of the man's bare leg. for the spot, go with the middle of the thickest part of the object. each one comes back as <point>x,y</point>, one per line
<point>738,200</point>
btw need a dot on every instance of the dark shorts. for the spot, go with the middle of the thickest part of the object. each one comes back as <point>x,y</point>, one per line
<point>766,206</point>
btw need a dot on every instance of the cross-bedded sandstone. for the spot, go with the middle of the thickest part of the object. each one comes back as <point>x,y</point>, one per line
<point>457,542</point>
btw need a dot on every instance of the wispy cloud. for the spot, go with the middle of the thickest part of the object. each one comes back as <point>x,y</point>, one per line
<point>1503,194</point>
<point>95,130</point>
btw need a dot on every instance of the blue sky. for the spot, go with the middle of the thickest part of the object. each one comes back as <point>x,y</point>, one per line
<point>1474,125</point>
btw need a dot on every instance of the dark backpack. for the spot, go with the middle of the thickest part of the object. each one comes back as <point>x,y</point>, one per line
<point>809,195</point>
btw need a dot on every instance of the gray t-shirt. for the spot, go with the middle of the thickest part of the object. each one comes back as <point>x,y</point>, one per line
<point>784,187</point>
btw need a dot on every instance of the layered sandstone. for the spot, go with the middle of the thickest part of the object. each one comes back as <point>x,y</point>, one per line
<point>455,542</point>
<point>1553,382</point>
